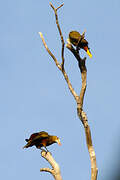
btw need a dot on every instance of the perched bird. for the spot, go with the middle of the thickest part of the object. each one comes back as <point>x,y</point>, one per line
<point>41,139</point>
<point>78,40</point>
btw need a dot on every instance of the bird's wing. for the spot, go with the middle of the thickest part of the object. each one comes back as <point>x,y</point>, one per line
<point>39,136</point>
<point>33,136</point>
<point>74,37</point>
<point>43,133</point>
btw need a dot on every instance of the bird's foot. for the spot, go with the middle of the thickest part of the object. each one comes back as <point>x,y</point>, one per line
<point>45,150</point>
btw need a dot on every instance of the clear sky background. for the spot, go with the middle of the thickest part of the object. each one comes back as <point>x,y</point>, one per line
<point>34,95</point>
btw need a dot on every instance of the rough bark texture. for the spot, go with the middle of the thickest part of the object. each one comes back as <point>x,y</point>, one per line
<point>78,98</point>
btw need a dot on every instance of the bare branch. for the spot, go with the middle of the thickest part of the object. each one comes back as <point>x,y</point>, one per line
<point>52,6</point>
<point>59,6</point>
<point>60,68</point>
<point>83,69</point>
<point>83,34</point>
<point>81,62</point>
<point>47,170</point>
<point>70,85</point>
<point>94,169</point>
<point>55,171</point>
<point>60,32</point>
<point>50,53</point>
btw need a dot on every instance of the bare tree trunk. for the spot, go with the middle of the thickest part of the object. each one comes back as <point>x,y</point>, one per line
<point>81,114</point>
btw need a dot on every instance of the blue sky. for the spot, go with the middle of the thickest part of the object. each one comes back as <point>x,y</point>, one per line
<point>35,97</point>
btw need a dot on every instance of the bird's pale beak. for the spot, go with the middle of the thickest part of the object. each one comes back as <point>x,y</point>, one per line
<point>58,141</point>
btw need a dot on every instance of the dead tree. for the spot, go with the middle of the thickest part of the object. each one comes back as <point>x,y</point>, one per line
<point>78,98</point>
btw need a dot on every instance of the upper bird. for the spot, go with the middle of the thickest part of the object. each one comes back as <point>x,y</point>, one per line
<point>78,40</point>
<point>41,139</point>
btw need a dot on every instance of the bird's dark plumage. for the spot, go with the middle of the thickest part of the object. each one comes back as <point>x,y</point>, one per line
<point>41,139</point>
<point>79,41</point>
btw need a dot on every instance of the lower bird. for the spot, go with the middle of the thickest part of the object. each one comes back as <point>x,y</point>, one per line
<point>41,139</point>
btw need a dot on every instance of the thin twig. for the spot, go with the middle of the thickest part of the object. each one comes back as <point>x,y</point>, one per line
<point>59,6</point>
<point>83,34</point>
<point>47,170</point>
<point>50,53</point>
<point>60,32</point>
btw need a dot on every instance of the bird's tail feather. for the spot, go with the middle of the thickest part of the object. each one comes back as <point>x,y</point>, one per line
<point>28,144</point>
<point>24,147</point>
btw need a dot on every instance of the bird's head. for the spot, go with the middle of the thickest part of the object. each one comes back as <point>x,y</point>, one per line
<point>57,140</point>
<point>83,44</point>
<point>87,51</point>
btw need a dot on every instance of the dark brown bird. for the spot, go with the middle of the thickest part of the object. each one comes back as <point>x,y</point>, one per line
<point>41,139</point>
<point>78,40</point>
